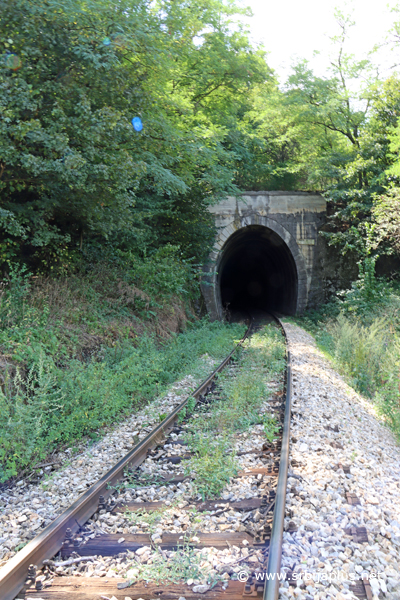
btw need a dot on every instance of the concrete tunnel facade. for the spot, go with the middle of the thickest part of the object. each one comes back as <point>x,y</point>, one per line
<point>266,253</point>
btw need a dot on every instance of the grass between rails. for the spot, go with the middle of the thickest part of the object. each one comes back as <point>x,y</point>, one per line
<point>360,333</point>
<point>240,407</point>
<point>52,393</point>
<point>183,564</point>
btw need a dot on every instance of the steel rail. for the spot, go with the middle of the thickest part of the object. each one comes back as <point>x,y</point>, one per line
<point>14,573</point>
<point>272,581</point>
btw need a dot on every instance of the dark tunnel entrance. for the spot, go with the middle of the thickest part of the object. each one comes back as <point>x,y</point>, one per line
<point>257,270</point>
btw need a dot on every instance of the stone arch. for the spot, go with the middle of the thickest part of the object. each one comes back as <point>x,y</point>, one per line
<point>210,285</point>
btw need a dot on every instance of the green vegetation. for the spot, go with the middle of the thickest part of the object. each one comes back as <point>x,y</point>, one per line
<point>73,364</point>
<point>75,176</point>
<point>271,427</point>
<point>131,481</point>
<point>186,410</point>
<point>360,331</point>
<point>148,519</point>
<point>104,224</point>
<point>181,565</point>
<point>79,183</point>
<point>214,463</point>
<point>239,408</point>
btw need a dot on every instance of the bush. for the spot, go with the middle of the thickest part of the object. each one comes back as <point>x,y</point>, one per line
<point>369,295</point>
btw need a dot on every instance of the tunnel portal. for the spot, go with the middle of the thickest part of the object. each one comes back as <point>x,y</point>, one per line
<point>265,253</point>
<point>257,270</point>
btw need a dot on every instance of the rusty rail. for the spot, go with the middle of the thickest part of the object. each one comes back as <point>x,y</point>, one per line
<point>14,573</point>
<point>271,589</point>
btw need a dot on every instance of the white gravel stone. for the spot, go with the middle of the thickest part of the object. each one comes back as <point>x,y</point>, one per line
<point>26,508</point>
<point>336,425</point>
<point>200,589</point>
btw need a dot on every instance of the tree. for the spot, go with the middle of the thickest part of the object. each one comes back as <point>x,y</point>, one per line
<point>72,167</point>
<point>343,125</point>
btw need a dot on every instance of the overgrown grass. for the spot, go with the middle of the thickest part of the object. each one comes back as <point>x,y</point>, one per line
<point>360,332</point>
<point>242,396</point>
<point>181,565</point>
<point>55,389</point>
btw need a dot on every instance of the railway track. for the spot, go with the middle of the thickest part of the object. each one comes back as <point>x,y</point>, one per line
<point>78,536</point>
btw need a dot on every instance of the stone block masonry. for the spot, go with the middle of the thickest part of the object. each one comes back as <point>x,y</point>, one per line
<point>281,229</point>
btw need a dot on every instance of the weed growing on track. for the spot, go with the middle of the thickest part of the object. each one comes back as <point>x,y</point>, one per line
<point>135,480</point>
<point>148,521</point>
<point>213,464</point>
<point>271,427</point>
<point>144,518</point>
<point>240,407</point>
<point>186,410</point>
<point>175,567</point>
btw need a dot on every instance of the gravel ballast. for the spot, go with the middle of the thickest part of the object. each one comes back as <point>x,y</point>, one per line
<point>338,447</point>
<point>334,428</point>
<point>200,568</point>
<point>26,508</point>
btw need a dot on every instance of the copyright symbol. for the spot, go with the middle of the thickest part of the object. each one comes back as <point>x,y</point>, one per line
<point>242,576</point>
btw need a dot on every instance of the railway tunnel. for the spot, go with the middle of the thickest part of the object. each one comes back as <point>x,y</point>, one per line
<point>265,254</point>
<point>257,270</point>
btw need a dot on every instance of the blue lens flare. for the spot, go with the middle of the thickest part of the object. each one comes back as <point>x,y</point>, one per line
<point>13,62</point>
<point>137,123</point>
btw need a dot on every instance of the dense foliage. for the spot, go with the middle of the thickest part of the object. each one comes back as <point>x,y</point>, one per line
<point>73,169</point>
<point>76,175</point>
